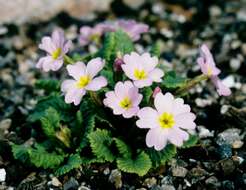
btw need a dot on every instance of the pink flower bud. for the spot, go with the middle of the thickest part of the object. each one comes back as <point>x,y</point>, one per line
<point>117,64</point>
<point>156,91</point>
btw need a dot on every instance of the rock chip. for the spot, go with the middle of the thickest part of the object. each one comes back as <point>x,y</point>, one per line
<point>229,136</point>
<point>115,177</point>
<point>167,187</point>
<point>71,184</point>
<point>179,171</point>
<point>2,175</point>
<point>150,182</point>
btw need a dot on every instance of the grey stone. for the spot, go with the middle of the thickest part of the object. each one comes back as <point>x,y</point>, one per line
<point>115,177</point>
<point>12,11</point>
<point>71,184</point>
<point>204,132</point>
<point>229,136</point>
<point>167,187</point>
<point>179,171</point>
<point>150,182</point>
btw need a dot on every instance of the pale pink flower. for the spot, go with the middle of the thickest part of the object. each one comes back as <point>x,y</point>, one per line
<point>208,68</point>
<point>88,34</point>
<point>124,100</point>
<point>131,27</point>
<point>142,69</point>
<point>168,122</point>
<point>84,79</point>
<point>56,47</point>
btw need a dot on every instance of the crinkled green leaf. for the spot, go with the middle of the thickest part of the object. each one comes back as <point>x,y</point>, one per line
<point>123,148</point>
<point>155,49</point>
<point>55,101</point>
<point>192,141</point>
<point>139,165</point>
<point>74,161</point>
<point>100,142</point>
<point>37,156</point>
<point>171,80</point>
<point>49,85</point>
<point>50,122</point>
<point>160,157</point>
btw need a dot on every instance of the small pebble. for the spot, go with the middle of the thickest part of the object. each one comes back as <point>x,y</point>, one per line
<point>225,151</point>
<point>150,182</point>
<point>2,175</point>
<point>115,177</point>
<point>55,182</point>
<point>204,132</point>
<point>179,171</point>
<point>167,187</point>
<point>229,136</point>
<point>72,184</point>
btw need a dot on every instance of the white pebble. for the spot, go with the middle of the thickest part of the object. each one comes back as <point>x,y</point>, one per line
<point>2,175</point>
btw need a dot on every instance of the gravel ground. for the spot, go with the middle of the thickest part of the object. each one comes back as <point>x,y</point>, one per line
<point>216,162</point>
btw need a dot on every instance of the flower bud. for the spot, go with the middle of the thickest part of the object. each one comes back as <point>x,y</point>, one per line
<point>156,91</point>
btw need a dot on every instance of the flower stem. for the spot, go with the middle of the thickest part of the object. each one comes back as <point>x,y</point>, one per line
<point>95,98</point>
<point>68,60</point>
<point>190,84</point>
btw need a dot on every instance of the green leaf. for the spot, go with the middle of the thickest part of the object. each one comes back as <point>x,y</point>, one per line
<point>50,122</point>
<point>156,49</point>
<point>160,157</point>
<point>147,93</point>
<point>116,42</point>
<point>55,101</point>
<point>74,161</point>
<point>37,156</point>
<point>100,142</point>
<point>109,76</point>
<point>140,165</point>
<point>109,45</point>
<point>171,80</point>
<point>123,42</point>
<point>192,141</point>
<point>20,152</point>
<point>123,149</point>
<point>45,159</point>
<point>48,85</point>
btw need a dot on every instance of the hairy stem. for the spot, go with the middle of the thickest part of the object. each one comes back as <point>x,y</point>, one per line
<point>190,84</point>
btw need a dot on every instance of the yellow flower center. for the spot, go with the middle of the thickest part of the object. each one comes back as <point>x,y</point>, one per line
<point>139,74</point>
<point>56,53</point>
<point>83,81</point>
<point>166,120</point>
<point>126,103</point>
<point>209,71</point>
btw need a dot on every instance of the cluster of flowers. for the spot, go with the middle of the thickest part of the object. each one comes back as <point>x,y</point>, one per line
<point>170,120</point>
<point>131,27</point>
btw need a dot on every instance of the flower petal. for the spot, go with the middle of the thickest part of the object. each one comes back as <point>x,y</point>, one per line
<point>76,70</point>
<point>157,137</point>
<point>74,95</point>
<point>47,45</point>
<point>177,136</point>
<point>148,118</point>
<point>130,112</point>
<point>185,120</point>
<point>97,83</point>
<point>143,83</point>
<point>67,84</point>
<point>94,67</point>
<point>222,89</point>
<point>164,103</point>
<point>156,75</point>
<point>179,107</point>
